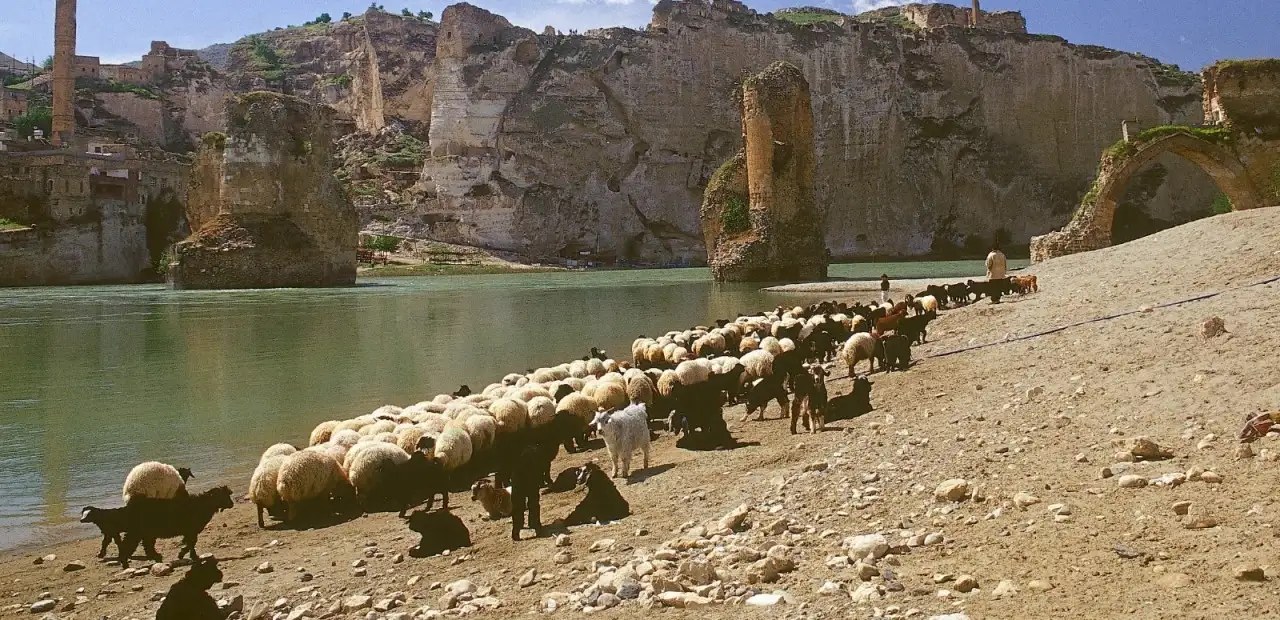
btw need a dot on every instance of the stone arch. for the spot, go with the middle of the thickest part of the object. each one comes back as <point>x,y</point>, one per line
<point>1091,226</point>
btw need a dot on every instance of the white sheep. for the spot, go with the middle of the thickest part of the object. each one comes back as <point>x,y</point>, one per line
<point>262,485</point>
<point>322,432</point>
<point>624,431</point>
<point>530,391</point>
<point>578,368</point>
<point>928,302</point>
<point>748,344</point>
<point>453,448</point>
<point>511,415</point>
<point>442,399</point>
<point>610,395</point>
<point>758,364</point>
<point>596,368</point>
<point>771,344</point>
<point>640,390</point>
<point>511,378</point>
<point>787,344</point>
<point>386,411</point>
<point>693,372</point>
<point>408,438</point>
<point>482,430</point>
<point>860,346</point>
<point>280,449</point>
<point>345,438</point>
<point>155,480</point>
<point>579,405</point>
<point>433,422</point>
<point>371,466</point>
<point>541,410</point>
<point>336,451</point>
<point>381,426</point>
<point>309,474</point>
<point>354,424</point>
<point>610,365</point>
<point>667,382</point>
<point>632,373</point>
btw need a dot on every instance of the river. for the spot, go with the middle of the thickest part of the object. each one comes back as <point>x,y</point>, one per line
<point>94,380</point>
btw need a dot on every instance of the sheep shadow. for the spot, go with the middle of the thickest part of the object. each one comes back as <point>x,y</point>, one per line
<point>643,475</point>
<point>702,441</point>
<point>311,523</point>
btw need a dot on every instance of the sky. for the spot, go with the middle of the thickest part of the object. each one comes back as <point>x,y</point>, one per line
<point>1189,33</point>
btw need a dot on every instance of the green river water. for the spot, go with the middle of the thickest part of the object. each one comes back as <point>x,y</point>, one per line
<point>94,380</point>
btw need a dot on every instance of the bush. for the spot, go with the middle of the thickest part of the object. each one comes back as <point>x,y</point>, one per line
<point>736,216</point>
<point>382,243</point>
<point>1222,204</point>
<point>37,117</point>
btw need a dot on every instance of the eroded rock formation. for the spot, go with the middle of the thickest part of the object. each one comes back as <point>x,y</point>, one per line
<point>265,207</point>
<point>758,215</point>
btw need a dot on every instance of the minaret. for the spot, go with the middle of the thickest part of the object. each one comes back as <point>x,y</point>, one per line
<point>64,80</point>
<point>973,20</point>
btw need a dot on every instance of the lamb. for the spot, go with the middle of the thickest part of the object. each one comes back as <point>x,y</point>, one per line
<point>188,598</point>
<point>311,476</point>
<point>482,429</point>
<point>263,489</point>
<point>890,322</point>
<point>603,501</point>
<point>771,344</point>
<point>624,431</point>
<point>440,530</point>
<point>110,522</point>
<point>495,500</point>
<point>156,481</point>
<point>860,346</point>
<point>147,519</point>
<point>322,432</point>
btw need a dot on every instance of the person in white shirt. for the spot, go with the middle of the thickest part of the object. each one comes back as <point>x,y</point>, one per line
<point>997,269</point>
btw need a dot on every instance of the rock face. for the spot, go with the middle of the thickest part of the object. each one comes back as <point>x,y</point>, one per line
<point>264,205</point>
<point>758,214</point>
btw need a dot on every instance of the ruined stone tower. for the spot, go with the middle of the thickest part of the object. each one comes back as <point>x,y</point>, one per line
<point>759,217</point>
<point>973,19</point>
<point>64,81</point>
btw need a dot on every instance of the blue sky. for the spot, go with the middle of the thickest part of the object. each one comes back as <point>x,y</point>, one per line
<point>1190,33</point>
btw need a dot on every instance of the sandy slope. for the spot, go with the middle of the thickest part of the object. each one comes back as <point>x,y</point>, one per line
<point>1041,417</point>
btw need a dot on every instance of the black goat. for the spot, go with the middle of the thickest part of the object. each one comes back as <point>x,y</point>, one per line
<point>603,501</point>
<point>110,522</point>
<point>463,391</point>
<point>417,479</point>
<point>939,293</point>
<point>728,382</point>
<point>810,399</point>
<point>440,530</point>
<point>530,470</point>
<point>916,328</point>
<point>897,352</point>
<point>764,390</point>
<point>699,408</point>
<point>188,598</point>
<point>146,519</point>
<point>958,293</point>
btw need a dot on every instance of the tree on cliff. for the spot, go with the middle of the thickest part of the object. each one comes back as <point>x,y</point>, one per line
<point>427,15</point>
<point>346,15</point>
<point>38,117</point>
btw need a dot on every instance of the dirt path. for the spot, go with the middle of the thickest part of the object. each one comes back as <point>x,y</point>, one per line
<point>1030,426</point>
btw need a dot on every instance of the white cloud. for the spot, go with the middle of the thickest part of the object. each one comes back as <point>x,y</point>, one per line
<point>862,6</point>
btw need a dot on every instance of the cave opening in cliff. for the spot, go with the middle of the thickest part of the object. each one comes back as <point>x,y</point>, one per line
<point>1168,192</point>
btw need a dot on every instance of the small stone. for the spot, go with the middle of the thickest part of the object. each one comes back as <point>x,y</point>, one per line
<point>42,606</point>
<point>734,519</point>
<point>932,539</point>
<point>765,600</point>
<point>160,569</point>
<point>1211,477</point>
<point>461,586</point>
<point>1033,393</point>
<point>874,546</point>
<point>358,563</point>
<point>865,593</point>
<point>601,545</point>
<point>953,490</point>
<point>73,566</point>
<point>397,558</point>
<point>1022,500</point>
<point>1174,581</point>
<point>562,557</point>
<point>1249,572</point>
<point>300,612</point>
<point>562,540</point>
<point>697,571</point>
<point>864,571</point>
<point>1004,589</point>
<point>683,600</point>
<point>1082,458</point>
<point>1181,508</point>
<point>1039,585</point>
<point>528,578</point>
<point>1202,522</point>
<point>608,600</point>
<point>965,583</point>
<point>1131,481</point>
<point>1212,327</point>
<point>1146,449</point>
<point>1243,451</point>
<point>356,602</point>
<point>817,466</point>
<point>1105,473</point>
<point>263,568</point>
<point>359,572</point>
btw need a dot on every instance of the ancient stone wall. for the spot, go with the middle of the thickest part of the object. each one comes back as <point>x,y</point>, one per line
<point>939,15</point>
<point>107,245</point>
<point>265,207</point>
<point>782,237</point>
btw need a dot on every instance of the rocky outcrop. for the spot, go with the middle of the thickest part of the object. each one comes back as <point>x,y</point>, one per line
<point>265,207</point>
<point>926,140</point>
<point>759,216</point>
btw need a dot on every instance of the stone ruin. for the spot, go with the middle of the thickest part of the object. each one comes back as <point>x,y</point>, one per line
<point>759,216</point>
<point>265,207</point>
<point>1238,146</point>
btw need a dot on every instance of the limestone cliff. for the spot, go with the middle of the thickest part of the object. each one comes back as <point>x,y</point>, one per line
<point>265,206</point>
<point>925,138</point>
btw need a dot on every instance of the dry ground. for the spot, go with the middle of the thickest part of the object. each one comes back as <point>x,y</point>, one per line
<point>1041,417</point>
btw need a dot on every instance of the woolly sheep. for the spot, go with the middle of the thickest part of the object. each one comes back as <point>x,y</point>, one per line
<point>624,432</point>
<point>596,367</point>
<point>482,430</point>
<point>387,437</point>
<point>928,302</point>
<point>442,399</point>
<point>610,395</point>
<point>369,469</point>
<point>667,382</point>
<point>860,346</point>
<point>654,354</point>
<point>322,432</point>
<point>632,373</point>
<point>386,410</point>
<point>495,390</point>
<point>433,422</point>
<point>771,344</point>
<point>155,480</point>
<point>710,344</point>
<point>748,344</point>
<point>453,448</point>
<point>575,383</point>
<point>541,410</point>
<point>381,426</point>
<point>496,500</point>
<point>529,392</point>
<point>262,485</point>
<point>307,475</point>
<point>337,452</point>
<point>758,365</point>
<point>787,344</point>
<point>408,438</point>
<point>510,414</point>
<point>640,390</point>
<point>352,453</point>
<point>345,438</point>
<point>354,424</point>
<point>693,372</point>
<point>579,405</point>
<point>578,368</point>
<point>280,449</point>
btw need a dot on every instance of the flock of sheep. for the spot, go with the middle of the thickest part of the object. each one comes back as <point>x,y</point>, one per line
<point>398,457</point>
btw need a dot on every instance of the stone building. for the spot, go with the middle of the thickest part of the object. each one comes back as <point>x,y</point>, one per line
<point>162,61</point>
<point>13,103</point>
